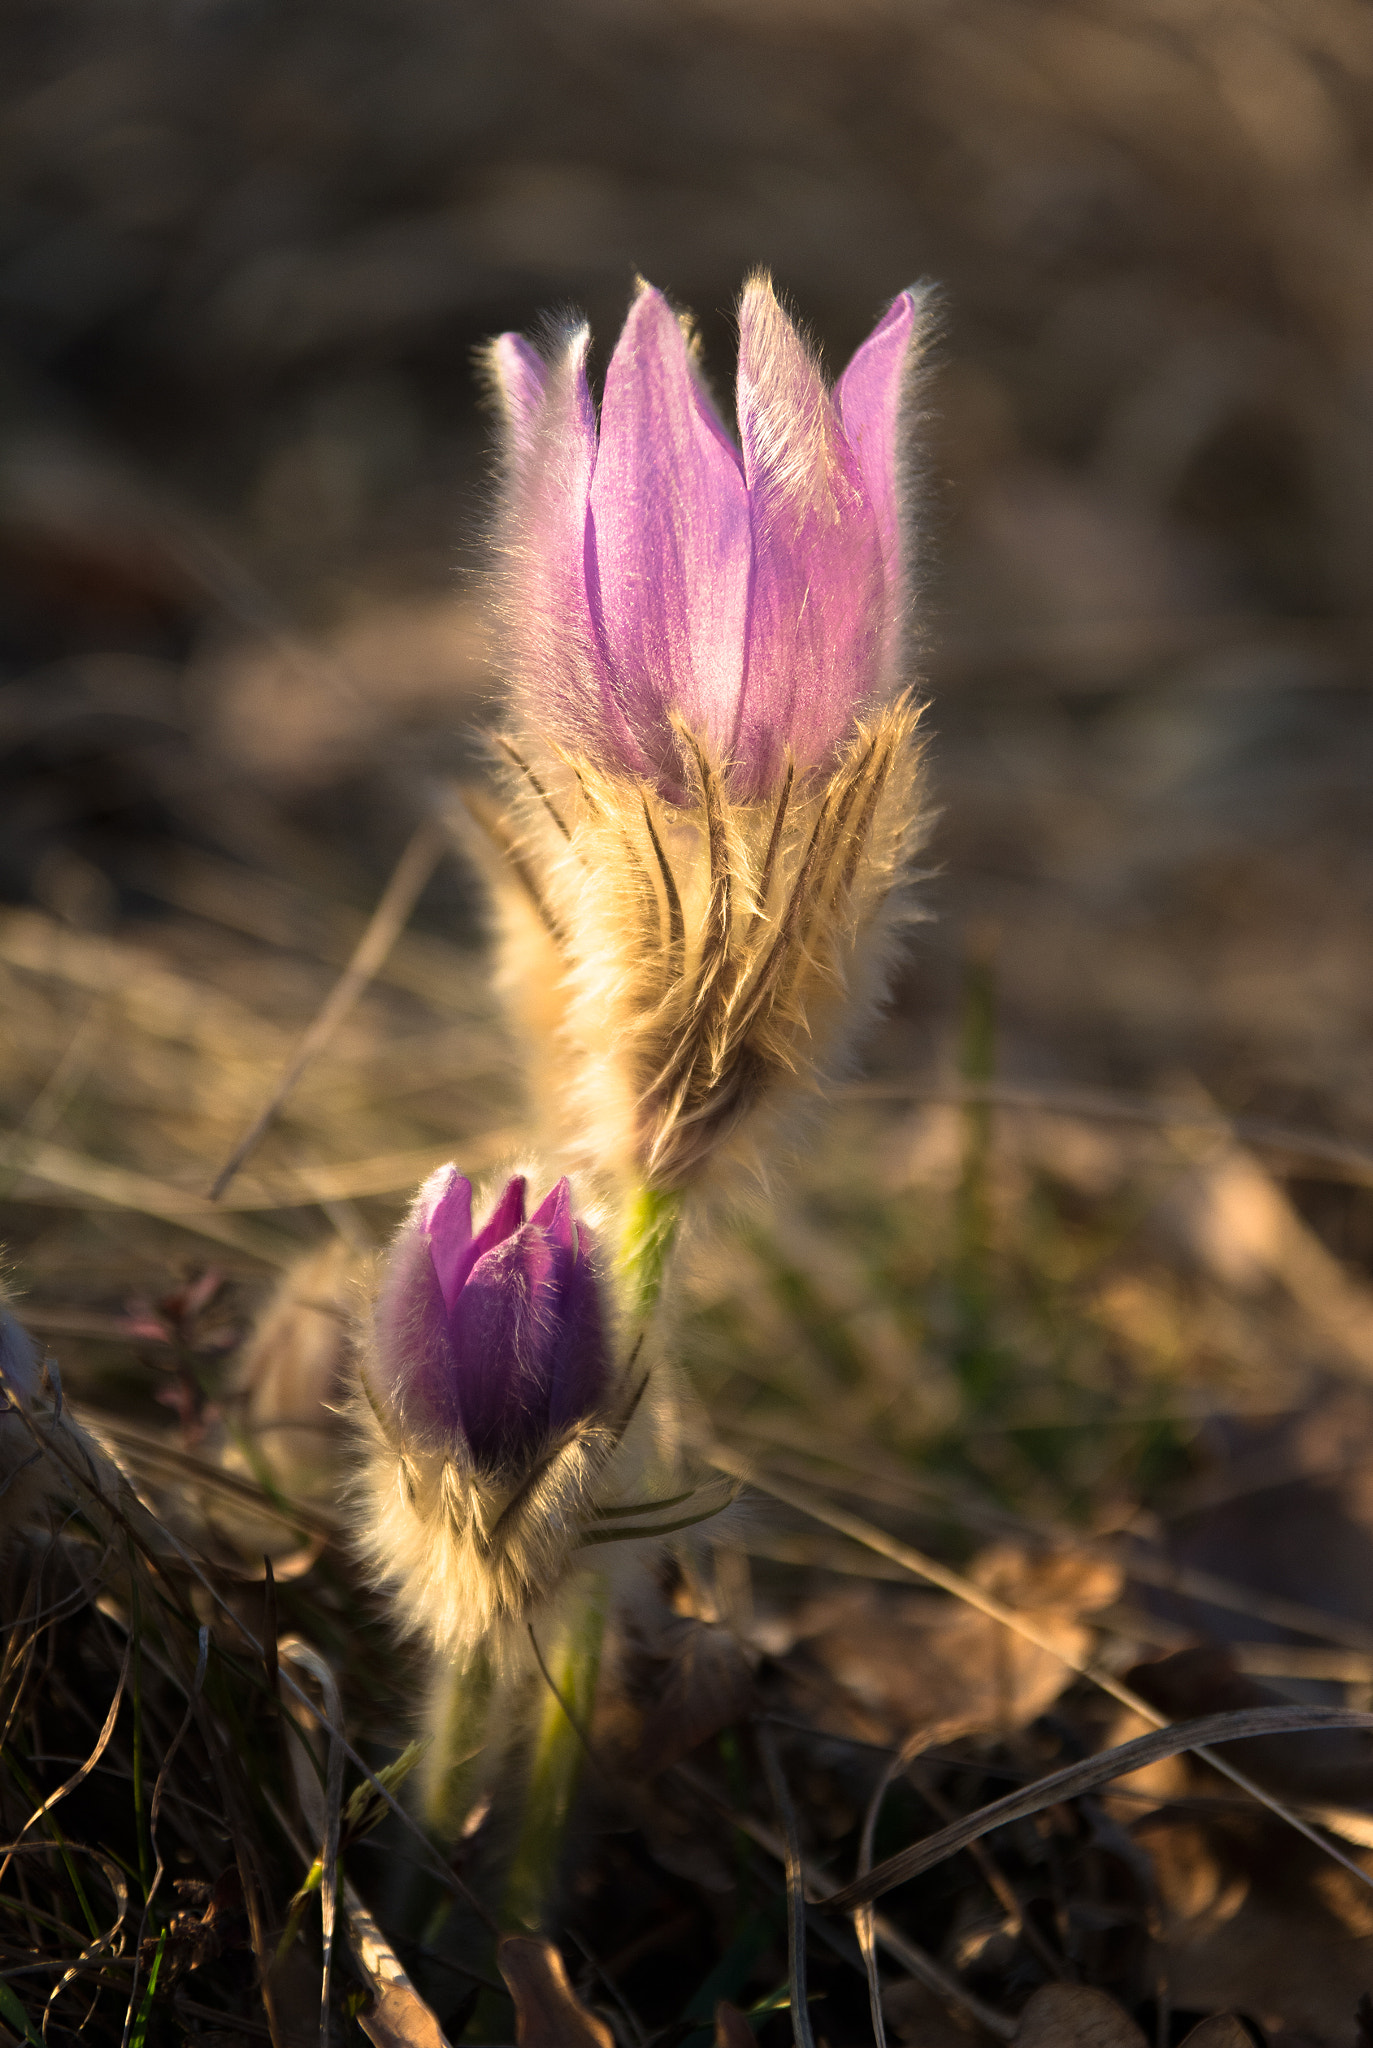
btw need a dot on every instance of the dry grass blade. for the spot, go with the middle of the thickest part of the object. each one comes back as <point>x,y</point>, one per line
<point>202,1659</point>
<point>85,1769</point>
<point>908,1490</point>
<point>1195,1736</point>
<point>309,1659</point>
<point>948,1581</point>
<point>107,1940</point>
<point>140,1526</point>
<point>863,1915</point>
<point>1104,1105</point>
<point>796,1896</point>
<point>121,1188</point>
<point>398,899</point>
<point>150,1455</point>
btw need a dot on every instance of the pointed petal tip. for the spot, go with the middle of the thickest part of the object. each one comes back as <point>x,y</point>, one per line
<point>441,1185</point>
<point>510,1201</point>
<point>554,1213</point>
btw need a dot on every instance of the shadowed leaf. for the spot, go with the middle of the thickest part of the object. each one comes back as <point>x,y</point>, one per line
<point>1075,2016</point>
<point>548,2013</point>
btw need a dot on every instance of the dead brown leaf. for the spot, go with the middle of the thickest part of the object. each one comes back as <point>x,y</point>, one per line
<point>548,2013</point>
<point>907,1660</point>
<point>1075,2016</point>
<point>1259,1922</point>
<point>399,2018</point>
<point>1222,2030</point>
<point>732,2030</point>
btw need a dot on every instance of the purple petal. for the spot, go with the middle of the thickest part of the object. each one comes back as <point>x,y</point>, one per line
<point>870,396</point>
<point>412,1347</point>
<point>817,613</point>
<point>579,1376</point>
<point>669,515</point>
<point>504,1333</point>
<point>559,660</point>
<point>444,1213</point>
<point>505,1218</point>
<point>520,376</point>
<point>554,1214</point>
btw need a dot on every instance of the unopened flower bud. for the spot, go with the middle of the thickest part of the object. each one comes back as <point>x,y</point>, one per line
<point>490,1341</point>
<point>492,1406</point>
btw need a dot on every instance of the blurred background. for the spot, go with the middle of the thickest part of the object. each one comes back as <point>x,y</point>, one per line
<point>246,253</point>
<point>247,249</point>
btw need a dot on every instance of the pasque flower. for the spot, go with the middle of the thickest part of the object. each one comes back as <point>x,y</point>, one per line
<point>657,574</point>
<point>712,769</point>
<point>491,1405</point>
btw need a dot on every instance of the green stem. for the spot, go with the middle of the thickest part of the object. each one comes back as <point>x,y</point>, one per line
<point>650,1225</point>
<point>570,1660</point>
<point>460,1727</point>
<point>572,1663</point>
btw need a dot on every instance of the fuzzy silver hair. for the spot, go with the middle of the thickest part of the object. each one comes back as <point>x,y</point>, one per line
<point>701,969</point>
<point>469,1557</point>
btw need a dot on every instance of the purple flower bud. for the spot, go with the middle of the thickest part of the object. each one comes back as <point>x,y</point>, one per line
<point>489,1342</point>
<point>657,572</point>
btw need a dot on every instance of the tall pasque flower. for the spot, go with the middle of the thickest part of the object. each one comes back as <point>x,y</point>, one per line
<point>492,1406</point>
<point>712,766</point>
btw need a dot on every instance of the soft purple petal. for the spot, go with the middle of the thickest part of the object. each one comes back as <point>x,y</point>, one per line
<point>413,1351</point>
<point>504,1334</point>
<point>554,1214</point>
<point>579,1377</point>
<point>869,396</point>
<point>444,1214</point>
<point>505,1219</point>
<point>817,613</point>
<point>669,514</point>
<point>520,376</point>
<point>559,662</point>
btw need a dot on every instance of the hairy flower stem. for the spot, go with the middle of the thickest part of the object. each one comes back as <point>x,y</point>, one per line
<point>459,1722</point>
<point>570,1663</point>
<point>650,1226</point>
